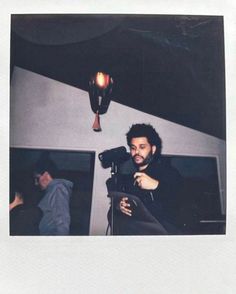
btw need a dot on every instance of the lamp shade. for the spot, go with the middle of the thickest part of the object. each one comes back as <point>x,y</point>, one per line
<point>100,88</point>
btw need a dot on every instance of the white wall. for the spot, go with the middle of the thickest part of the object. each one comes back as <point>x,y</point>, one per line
<point>49,114</point>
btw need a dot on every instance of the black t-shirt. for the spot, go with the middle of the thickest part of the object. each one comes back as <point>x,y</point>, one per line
<point>24,220</point>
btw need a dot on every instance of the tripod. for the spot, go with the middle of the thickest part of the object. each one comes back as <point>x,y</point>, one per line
<point>114,183</point>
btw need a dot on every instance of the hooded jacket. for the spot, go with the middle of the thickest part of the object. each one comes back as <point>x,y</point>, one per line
<point>55,205</point>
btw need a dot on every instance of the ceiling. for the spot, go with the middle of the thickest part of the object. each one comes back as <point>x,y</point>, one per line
<point>168,66</point>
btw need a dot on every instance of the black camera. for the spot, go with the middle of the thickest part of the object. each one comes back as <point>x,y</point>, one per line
<point>113,156</point>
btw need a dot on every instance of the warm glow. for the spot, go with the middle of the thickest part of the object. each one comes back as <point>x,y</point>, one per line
<point>102,80</point>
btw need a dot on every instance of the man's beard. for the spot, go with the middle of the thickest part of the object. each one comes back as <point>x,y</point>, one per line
<point>145,161</point>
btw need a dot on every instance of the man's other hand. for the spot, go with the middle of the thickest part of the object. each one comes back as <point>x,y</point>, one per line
<point>125,206</point>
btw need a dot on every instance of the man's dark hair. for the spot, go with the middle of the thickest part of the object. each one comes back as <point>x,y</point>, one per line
<point>145,130</point>
<point>45,164</point>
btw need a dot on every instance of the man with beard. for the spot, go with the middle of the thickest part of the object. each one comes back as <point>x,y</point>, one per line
<point>150,194</point>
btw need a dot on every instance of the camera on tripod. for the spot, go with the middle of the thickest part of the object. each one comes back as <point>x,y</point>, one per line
<point>113,156</point>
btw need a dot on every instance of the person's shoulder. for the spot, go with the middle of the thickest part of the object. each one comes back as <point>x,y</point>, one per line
<point>59,189</point>
<point>164,168</point>
<point>26,210</point>
<point>60,184</point>
<point>34,211</point>
<point>17,209</point>
<point>164,163</point>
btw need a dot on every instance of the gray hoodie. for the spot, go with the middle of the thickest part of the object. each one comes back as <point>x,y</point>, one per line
<point>55,205</point>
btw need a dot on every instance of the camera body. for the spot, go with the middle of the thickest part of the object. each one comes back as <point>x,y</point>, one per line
<point>113,156</point>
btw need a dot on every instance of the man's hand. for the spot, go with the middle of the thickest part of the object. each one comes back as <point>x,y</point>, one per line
<point>125,206</point>
<point>145,182</point>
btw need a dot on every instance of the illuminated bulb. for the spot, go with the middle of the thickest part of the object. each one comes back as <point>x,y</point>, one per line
<point>102,80</point>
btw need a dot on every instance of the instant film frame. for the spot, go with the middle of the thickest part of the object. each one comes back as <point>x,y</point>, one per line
<point>167,264</point>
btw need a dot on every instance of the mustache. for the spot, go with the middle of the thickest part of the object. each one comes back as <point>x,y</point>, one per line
<point>135,156</point>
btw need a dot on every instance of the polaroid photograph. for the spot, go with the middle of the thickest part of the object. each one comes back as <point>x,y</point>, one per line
<point>116,148</point>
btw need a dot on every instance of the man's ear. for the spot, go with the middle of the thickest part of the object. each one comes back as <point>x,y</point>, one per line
<point>154,148</point>
<point>47,174</point>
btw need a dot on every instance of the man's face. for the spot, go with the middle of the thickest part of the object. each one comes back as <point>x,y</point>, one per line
<point>141,151</point>
<point>41,180</point>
